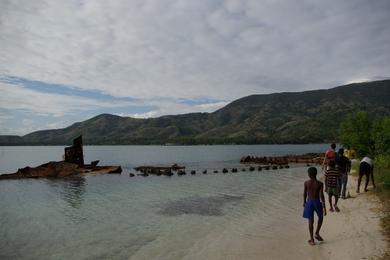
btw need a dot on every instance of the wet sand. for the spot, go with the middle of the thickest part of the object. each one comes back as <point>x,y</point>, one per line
<point>353,233</point>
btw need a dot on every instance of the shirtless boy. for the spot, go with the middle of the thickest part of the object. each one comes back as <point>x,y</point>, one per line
<point>314,200</point>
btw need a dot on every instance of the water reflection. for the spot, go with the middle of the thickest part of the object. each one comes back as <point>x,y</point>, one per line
<point>71,189</point>
<point>204,206</point>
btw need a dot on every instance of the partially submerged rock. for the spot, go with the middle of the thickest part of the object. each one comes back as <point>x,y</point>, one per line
<point>59,169</point>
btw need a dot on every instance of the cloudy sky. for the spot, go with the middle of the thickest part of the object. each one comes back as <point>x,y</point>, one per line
<point>66,61</point>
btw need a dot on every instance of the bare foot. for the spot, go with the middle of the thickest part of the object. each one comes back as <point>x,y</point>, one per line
<point>311,242</point>
<point>331,210</point>
<point>319,238</point>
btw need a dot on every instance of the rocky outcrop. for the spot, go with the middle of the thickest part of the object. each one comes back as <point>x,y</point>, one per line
<point>59,169</point>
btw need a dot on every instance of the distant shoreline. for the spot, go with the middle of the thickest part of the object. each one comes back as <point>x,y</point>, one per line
<point>10,145</point>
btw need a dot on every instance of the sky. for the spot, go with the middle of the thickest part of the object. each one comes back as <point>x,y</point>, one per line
<point>66,61</point>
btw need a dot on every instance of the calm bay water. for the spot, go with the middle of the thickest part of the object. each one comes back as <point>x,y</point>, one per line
<point>158,217</point>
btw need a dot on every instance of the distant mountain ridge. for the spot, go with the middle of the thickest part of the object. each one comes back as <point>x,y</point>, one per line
<point>289,117</point>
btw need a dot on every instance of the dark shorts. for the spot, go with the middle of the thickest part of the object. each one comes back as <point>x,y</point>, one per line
<point>333,191</point>
<point>364,169</point>
<point>312,205</point>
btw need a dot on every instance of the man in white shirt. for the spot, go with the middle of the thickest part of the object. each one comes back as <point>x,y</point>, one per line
<point>366,168</point>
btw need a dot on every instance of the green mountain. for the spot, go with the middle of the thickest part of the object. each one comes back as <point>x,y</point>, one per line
<point>298,117</point>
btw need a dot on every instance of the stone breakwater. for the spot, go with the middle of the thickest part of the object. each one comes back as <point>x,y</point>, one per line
<point>263,162</point>
<point>312,158</point>
<point>145,171</point>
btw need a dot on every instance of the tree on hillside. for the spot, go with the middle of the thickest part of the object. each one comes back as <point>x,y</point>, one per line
<point>356,132</point>
<point>381,136</point>
<point>366,137</point>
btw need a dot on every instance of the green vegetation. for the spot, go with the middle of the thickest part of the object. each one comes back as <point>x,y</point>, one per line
<point>369,138</point>
<point>372,138</point>
<point>302,117</point>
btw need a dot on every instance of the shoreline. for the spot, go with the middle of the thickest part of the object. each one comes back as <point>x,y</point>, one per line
<point>353,233</point>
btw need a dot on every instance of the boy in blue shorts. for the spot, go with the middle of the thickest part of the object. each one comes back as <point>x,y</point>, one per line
<point>314,201</point>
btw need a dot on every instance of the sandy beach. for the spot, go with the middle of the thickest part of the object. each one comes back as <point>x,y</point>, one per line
<point>353,233</point>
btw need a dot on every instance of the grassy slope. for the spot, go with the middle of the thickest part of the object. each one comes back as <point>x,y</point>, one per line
<point>301,117</point>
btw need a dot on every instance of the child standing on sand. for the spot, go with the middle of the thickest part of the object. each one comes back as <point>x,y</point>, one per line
<point>332,185</point>
<point>314,200</point>
<point>330,155</point>
<point>343,165</point>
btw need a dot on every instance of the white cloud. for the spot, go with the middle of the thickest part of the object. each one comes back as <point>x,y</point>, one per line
<point>209,107</point>
<point>161,51</point>
<point>171,107</point>
<point>184,49</point>
<point>148,114</point>
<point>27,122</point>
<point>57,124</point>
<point>357,80</point>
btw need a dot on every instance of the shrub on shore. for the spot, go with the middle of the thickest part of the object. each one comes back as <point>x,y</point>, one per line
<point>369,138</point>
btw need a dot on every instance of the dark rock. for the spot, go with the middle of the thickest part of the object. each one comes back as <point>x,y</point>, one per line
<point>251,168</point>
<point>224,170</point>
<point>234,170</point>
<point>131,174</point>
<point>245,159</point>
<point>193,172</point>
<point>259,169</point>
<point>216,171</point>
<point>204,172</point>
<point>181,172</point>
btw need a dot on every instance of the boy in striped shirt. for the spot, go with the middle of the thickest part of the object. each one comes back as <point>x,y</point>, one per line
<point>332,177</point>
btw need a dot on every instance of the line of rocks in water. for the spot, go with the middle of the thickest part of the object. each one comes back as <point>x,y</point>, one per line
<point>224,170</point>
<point>316,158</point>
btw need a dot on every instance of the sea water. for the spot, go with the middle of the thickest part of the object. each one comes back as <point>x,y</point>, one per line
<point>114,216</point>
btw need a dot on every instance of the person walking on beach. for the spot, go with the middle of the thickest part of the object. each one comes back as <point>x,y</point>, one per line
<point>330,155</point>
<point>332,178</point>
<point>343,165</point>
<point>314,201</point>
<point>366,168</point>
